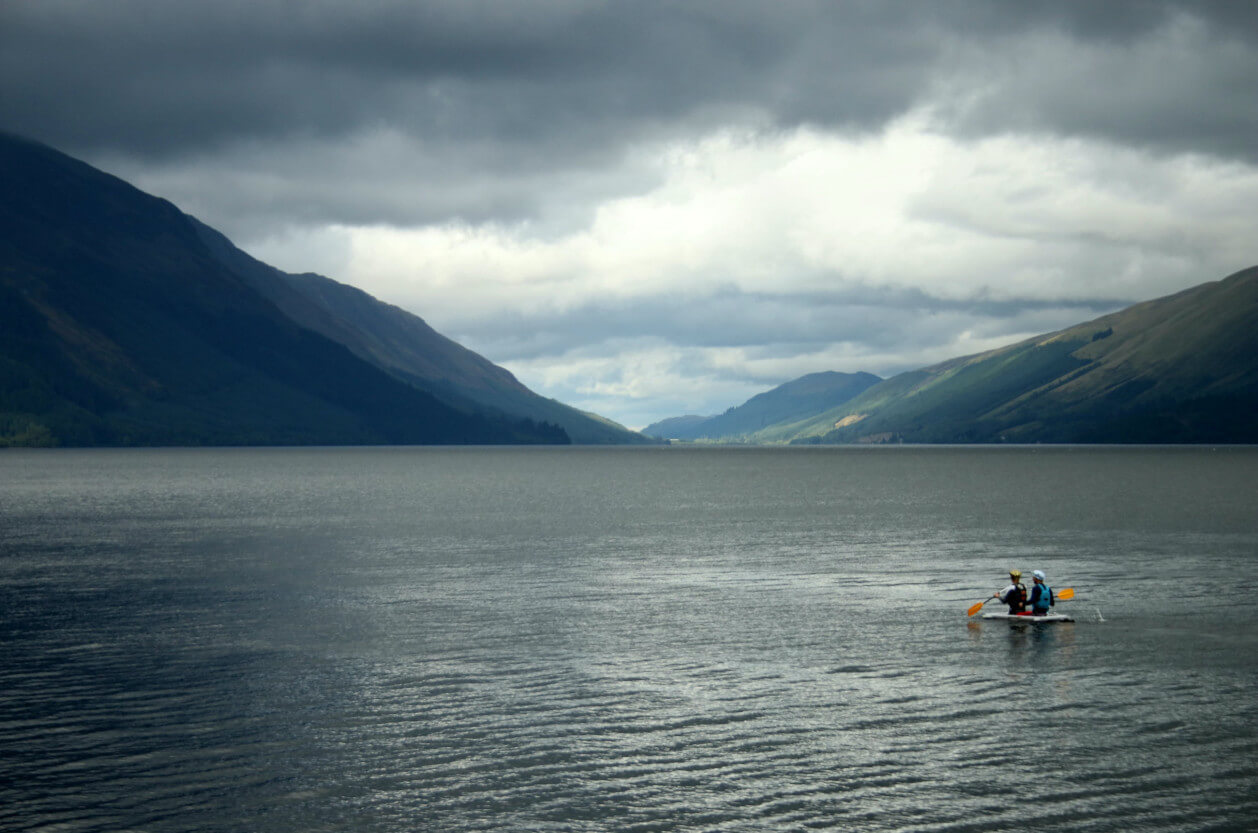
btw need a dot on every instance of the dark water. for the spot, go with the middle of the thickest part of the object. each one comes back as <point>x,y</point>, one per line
<point>627,639</point>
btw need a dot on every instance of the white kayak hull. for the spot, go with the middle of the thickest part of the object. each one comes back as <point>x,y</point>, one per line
<point>1013,617</point>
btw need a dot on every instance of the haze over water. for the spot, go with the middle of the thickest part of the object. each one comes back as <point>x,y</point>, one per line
<point>668,639</point>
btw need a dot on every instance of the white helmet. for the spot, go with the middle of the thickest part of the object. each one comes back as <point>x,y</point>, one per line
<point>1039,574</point>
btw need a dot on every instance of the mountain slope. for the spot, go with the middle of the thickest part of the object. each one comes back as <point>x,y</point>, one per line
<point>676,428</point>
<point>787,403</point>
<point>119,326</point>
<point>405,346</point>
<point>1183,368</point>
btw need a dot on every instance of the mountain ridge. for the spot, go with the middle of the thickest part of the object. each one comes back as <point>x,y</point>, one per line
<point>1180,368</point>
<point>120,324</point>
<point>404,345</point>
<point>790,401</point>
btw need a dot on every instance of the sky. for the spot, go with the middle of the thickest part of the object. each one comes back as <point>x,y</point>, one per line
<point>645,208</point>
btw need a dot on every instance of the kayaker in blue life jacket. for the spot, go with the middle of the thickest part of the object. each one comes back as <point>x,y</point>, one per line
<point>1041,595</point>
<point>1015,594</point>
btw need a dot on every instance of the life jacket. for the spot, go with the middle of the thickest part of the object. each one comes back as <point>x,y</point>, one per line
<point>1041,601</point>
<point>1016,598</point>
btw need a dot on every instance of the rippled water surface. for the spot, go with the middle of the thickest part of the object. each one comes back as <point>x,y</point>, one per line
<point>625,639</point>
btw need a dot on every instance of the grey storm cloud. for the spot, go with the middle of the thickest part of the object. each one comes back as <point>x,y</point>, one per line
<point>174,78</point>
<point>258,115</point>
<point>548,84</point>
<point>1170,78</point>
<point>491,97</point>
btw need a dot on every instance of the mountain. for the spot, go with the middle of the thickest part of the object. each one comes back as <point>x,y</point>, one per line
<point>799,399</point>
<point>676,428</point>
<point>124,322</point>
<point>1178,369</point>
<point>403,345</point>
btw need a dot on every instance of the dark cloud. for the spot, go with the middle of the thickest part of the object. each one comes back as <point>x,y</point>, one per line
<point>164,78</point>
<point>492,98</point>
<point>1165,77</point>
<point>1116,22</point>
<point>527,91</point>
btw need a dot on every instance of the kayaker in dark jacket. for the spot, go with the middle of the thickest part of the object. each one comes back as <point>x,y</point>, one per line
<point>1041,595</point>
<point>1015,594</point>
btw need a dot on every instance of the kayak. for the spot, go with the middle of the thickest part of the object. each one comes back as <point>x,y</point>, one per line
<point>1013,617</point>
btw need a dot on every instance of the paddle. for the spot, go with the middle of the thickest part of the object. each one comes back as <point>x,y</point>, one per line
<point>976,607</point>
<point>1064,596</point>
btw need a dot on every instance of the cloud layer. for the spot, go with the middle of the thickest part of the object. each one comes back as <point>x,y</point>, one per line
<point>647,209</point>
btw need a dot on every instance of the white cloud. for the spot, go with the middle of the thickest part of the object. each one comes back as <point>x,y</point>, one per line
<point>1019,219</point>
<point>805,210</point>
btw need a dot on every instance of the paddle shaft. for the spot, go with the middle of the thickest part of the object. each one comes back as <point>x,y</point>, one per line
<point>1064,596</point>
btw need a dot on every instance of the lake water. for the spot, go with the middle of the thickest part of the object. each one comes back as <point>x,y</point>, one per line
<point>661,639</point>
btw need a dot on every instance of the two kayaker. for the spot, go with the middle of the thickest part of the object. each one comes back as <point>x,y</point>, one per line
<point>1015,595</point>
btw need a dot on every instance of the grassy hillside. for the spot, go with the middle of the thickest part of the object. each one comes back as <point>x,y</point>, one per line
<point>1178,369</point>
<point>676,428</point>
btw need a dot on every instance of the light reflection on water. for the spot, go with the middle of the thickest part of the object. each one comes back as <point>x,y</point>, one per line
<point>586,639</point>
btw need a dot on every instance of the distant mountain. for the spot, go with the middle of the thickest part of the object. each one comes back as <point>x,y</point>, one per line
<point>796,400</point>
<point>124,322</point>
<point>1179,369</point>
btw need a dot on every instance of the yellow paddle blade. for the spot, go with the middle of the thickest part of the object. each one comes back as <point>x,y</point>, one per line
<point>974,609</point>
<point>1067,594</point>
